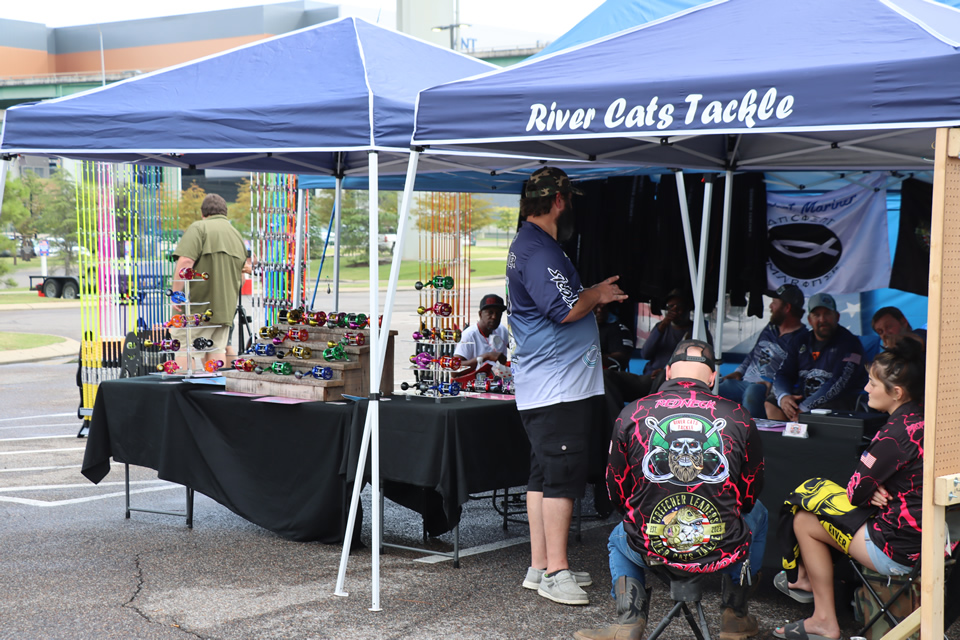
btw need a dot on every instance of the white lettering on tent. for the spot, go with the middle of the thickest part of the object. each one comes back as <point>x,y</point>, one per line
<point>713,113</point>
<point>729,112</point>
<point>666,116</point>
<point>694,100</point>
<point>748,108</point>
<point>591,114</point>
<point>576,120</point>
<point>785,108</point>
<point>614,116</point>
<point>537,113</point>
<point>766,104</point>
<point>651,109</point>
<point>620,114</point>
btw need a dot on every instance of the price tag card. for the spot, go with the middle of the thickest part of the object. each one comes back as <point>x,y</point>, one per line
<point>796,430</point>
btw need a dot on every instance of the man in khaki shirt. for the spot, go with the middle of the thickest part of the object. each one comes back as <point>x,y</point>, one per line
<point>213,246</point>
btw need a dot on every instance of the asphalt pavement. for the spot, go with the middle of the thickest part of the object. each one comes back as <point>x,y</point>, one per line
<point>73,567</point>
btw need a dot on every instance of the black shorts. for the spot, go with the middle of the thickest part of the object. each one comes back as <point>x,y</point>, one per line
<point>559,437</point>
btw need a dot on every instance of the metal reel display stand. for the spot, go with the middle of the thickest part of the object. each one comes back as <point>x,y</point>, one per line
<point>169,368</point>
<point>170,372</point>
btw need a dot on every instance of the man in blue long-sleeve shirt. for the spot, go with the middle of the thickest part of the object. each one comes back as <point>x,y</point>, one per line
<point>826,371</point>
<point>750,384</point>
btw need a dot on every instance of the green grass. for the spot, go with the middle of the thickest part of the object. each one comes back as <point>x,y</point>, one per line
<point>23,265</point>
<point>409,272</point>
<point>26,297</point>
<point>10,341</point>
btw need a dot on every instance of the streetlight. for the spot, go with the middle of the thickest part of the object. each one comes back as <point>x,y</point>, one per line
<point>451,28</point>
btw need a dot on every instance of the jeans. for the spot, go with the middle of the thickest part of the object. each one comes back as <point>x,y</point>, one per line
<point>624,561</point>
<point>749,394</point>
<point>884,564</point>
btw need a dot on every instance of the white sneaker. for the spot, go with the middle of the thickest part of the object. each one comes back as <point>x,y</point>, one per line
<point>533,577</point>
<point>562,587</point>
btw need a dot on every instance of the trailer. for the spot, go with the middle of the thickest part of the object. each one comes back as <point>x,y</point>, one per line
<point>67,287</point>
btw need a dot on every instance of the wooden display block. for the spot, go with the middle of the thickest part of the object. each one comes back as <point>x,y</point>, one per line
<point>270,384</point>
<point>350,377</point>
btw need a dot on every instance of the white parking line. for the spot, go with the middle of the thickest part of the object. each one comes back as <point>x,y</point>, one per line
<point>46,415</point>
<point>15,453</point>
<point>72,425</point>
<point>67,466</point>
<point>35,438</point>
<point>85,485</point>
<point>60,503</point>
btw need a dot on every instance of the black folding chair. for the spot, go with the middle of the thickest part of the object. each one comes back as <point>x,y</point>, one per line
<point>686,590</point>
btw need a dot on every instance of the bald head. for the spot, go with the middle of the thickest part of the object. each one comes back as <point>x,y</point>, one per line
<point>692,359</point>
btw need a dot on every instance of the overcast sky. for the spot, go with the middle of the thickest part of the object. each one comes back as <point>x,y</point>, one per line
<point>544,19</point>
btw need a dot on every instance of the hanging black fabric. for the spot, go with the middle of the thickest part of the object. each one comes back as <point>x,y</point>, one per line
<point>911,261</point>
<point>747,267</point>
<point>609,237</point>
<point>632,227</point>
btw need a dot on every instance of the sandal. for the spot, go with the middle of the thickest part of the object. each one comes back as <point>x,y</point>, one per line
<point>782,584</point>
<point>795,631</point>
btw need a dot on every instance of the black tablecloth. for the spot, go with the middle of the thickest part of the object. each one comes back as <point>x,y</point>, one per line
<point>288,468</point>
<point>277,466</point>
<point>433,455</point>
<point>829,452</point>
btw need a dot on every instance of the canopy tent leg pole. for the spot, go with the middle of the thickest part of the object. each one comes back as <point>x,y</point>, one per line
<point>373,406</point>
<point>336,244</point>
<point>4,166</point>
<point>724,259</point>
<point>405,201</point>
<point>687,233</point>
<point>698,316</point>
<point>354,506</point>
<point>298,261</point>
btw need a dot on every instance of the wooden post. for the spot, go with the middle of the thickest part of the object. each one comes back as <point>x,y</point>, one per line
<point>941,444</point>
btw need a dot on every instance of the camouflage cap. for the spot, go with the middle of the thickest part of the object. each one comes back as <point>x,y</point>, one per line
<point>548,181</point>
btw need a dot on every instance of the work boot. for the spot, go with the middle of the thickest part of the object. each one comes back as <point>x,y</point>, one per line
<point>633,603</point>
<point>736,622</point>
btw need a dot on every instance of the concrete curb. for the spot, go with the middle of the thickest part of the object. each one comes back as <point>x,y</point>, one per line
<point>59,350</point>
<point>42,305</point>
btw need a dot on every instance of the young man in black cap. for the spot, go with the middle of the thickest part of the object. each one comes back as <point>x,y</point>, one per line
<point>751,382</point>
<point>486,340</point>
<point>557,372</point>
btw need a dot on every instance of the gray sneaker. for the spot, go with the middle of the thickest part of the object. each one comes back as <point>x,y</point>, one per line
<point>562,587</point>
<point>533,577</point>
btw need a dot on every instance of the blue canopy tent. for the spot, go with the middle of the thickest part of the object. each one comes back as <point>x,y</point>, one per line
<point>726,86</point>
<point>335,99</point>
<point>613,16</point>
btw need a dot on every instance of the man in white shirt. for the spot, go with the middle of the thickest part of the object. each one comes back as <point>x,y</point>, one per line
<point>485,341</point>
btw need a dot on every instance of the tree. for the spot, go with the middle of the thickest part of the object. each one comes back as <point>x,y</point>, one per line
<point>354,221</point>
<point>238,211</point>
<point>475,212</point>
<point>25,225</point>
<point>482,214</point>
<point>15,213</point>
<point>190,201</point>
<point>505,220</point>
<point>57,216</point>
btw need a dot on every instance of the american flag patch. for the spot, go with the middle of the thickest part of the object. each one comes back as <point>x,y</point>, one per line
<point>853,357</point>
<point>868,459</point>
